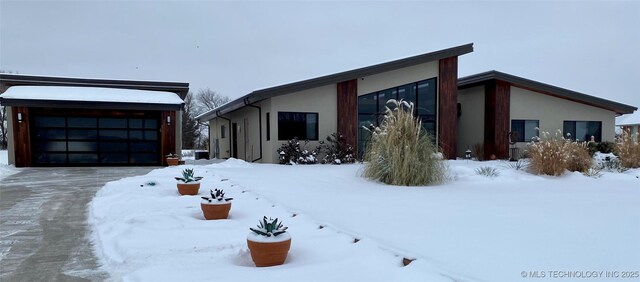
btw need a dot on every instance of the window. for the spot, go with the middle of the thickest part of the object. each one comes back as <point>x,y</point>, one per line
<point>371,107</point>
<point>304,126</point>
<point>223,132</point>
<point>524,130</point>
<point>582,130</point>
<point>268,127</point>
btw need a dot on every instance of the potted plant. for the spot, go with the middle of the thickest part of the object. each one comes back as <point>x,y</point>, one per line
<point>173,159</point>
<point>216,206</point>
<point>269,243</point>
<point>188,184</point>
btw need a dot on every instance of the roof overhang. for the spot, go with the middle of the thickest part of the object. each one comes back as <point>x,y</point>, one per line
<point>266,93</point>
<point>490,76</point>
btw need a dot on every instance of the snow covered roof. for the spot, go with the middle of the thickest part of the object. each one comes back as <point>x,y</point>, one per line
<point>52,95</point>
<point>632,119</point>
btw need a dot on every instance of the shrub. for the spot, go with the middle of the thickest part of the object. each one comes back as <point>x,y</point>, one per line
<point>628,150</point>
<point>517,165</point>
<point>593,172</point>
<point>610,163</point>
<point>606,147</point>
<point>551,156</point>
<point>477,150</point>
<point>337,150</point>
<point>401,152</point>
<point>487,171</point>
<point>292,153</point>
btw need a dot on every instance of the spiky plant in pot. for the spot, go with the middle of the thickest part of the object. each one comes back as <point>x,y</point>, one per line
<point>217,206</point>
<point>269,243</point>
<point>188,184</point>
<point>188,176</point>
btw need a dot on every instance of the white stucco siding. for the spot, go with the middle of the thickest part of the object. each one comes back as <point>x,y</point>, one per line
<point>321,100</point>
<point>10,146</point>
<point>552,112</point>
<point>385,80</point>
<point>471,121</point>
<point>215,133</point>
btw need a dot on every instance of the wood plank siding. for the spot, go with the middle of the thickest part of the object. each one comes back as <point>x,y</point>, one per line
<point>348,111</point>
<point>496,115</point>
<point>447,106</point>
<point>21,137</point>
<point>167,133</point>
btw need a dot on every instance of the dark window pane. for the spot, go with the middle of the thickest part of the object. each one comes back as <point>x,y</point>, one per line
<point>114,158</point>
<point>150,135</point>
<point>50,121</point>
<point>113,123</point>
<point>427,97</point>
<point>407,93</point>
<point>113,146</point>
<point>113,134</point>
<point>135,123</point>
<point>51,158</point>
<point>430,127</point>
<point>304,126</point>
<point>368,104</point>
<point>384,97</point>
<point>223,131</point>
<point>83,158</point>
<point>530,129</point>
<point>312,127</point>
<point>51,134</point>
<point>82,122</point>
<point>136,135</point>
<point>141,158</point>
<point>144,147</point>
<point>151,123</point>
<point>83,134</point>
<point>517,127</point>
<point>569,129</point>
<point>83,146</point>
<point>53,146</point>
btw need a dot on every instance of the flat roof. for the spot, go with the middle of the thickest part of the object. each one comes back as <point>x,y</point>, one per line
<point>483,78</point>
<point>266,93</point>
<point>72,96</point>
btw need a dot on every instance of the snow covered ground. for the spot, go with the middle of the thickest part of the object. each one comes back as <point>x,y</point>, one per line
<point>5,169</point>
<point>474,228</point>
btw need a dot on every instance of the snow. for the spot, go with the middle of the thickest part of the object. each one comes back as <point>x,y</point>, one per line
<point>264,239</point>
<point>474,228</point>
<point>5,168</point>
<point>94,94</point>
<point>629,119</point>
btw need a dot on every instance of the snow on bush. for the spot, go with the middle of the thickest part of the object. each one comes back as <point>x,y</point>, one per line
<point>401,152</point>
<point>292,153</point>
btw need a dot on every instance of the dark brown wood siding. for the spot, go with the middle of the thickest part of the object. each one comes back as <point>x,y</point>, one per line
<point>21,137</point>
<point>168,134</point>
<point>447,106</point>
<point>496,117</point>
<point>348,111</point>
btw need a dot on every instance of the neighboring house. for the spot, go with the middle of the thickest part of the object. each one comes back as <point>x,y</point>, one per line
<point>495,106</point>
<point>58,121</point>
<point>630,123</point>
<point>254,126</point>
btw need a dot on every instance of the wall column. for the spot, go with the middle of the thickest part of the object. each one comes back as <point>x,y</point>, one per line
<point>496,119</point>
<point>168,135</point>
<point>348,111</point>
<point>447,106</point>
<point>21,137</point>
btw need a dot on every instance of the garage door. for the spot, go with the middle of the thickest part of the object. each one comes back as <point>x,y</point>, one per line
<point>75,140</point>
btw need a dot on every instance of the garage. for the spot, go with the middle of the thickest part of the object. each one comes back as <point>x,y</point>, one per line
<point>88,122</point>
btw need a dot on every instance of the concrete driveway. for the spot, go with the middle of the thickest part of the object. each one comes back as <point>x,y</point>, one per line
<point>43,223</point>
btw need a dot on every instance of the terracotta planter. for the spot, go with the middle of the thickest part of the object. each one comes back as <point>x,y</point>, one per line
<point>172,161</point>
<point>216,211</point>
<point>269,253</point>
<point>188,188</point>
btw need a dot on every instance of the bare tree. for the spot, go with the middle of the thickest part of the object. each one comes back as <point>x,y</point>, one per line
<point>208,99</point>
<point>3,128</point>
<point>190,126</point>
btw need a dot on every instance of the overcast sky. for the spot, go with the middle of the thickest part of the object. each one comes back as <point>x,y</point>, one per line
<point>237,47</point>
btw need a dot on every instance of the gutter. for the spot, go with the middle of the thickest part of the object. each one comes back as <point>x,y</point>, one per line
<point>246,103</point>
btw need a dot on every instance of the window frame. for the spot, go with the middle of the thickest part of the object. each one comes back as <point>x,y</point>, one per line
<point>523,137</point>
<point>282,134</point>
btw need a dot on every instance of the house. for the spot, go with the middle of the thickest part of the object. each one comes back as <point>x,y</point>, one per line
<point>503,111</point>
<point>60,121</point>
<point>254,126</point>
<point>630,123</point>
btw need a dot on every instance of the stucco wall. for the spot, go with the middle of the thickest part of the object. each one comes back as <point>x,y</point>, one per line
<point>215,127</point>
<point>471,122</point>
<point>321,100</point>
<point>552,112</point>
<point>385,80</point>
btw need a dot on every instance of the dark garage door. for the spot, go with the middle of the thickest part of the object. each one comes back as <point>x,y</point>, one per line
<point>76,140</point>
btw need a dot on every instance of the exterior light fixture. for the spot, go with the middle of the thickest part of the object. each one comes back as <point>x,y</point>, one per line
<point>19,117</point>
<point>467,154</point>
<point>168,120</point>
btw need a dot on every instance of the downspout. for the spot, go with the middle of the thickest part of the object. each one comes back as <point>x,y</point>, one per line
<point>246,103</point>
<point>230,135</point>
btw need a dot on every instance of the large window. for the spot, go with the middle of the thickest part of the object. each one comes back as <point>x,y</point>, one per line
<point>582,130</point>
<point>371,107</point>
<point>524,130</point>
<point>304,126</point>
<point>223,132</point>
